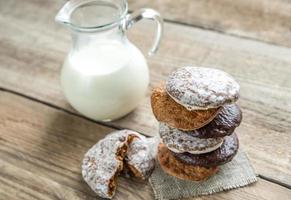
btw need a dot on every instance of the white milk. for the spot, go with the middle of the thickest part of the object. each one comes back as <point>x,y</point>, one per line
<point>105,81</point>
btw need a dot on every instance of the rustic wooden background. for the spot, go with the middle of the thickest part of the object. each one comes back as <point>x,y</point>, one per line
<point>42,139</point>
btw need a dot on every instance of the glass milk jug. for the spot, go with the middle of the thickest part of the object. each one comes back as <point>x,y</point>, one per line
<point>104,76</point>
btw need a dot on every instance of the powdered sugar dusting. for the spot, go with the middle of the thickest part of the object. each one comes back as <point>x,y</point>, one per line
<point>140,157</point>
<point>100,163</point>
<point>202,88</point>
<point>180,142</point>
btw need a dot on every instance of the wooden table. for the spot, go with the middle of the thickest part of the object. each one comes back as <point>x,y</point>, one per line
<point>42,139</point>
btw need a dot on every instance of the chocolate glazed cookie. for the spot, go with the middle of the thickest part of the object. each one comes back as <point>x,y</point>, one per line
<point>225,122</point>
<point>220,156</point>
<point>178,169</point>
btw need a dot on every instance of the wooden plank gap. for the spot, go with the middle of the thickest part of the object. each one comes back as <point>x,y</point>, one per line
<point>275,181</point>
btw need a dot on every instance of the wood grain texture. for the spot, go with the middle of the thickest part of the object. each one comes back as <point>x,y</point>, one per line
<point>264,20</point>
<point>41,149</point>
<point>30,63</point>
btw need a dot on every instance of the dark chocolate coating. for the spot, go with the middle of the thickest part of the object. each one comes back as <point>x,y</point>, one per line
<point>220,156</point>
<point>225,122</point>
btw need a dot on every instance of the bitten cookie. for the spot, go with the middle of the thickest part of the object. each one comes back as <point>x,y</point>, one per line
<point>198,88</point>
<point>220,156</point>
<point>139,159</point>
<point>168,111</point>
<point>105,160</point>
<point>176,168</point>
<point>228,118</point>
<point>180,142</point>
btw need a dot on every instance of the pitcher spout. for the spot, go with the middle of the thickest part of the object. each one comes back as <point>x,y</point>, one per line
<point>92,15</point>
<point>64,14</point>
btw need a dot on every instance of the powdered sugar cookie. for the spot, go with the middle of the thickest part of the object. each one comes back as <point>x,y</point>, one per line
<point>199,88</point>
<point>105,160</point>
<point>181,142</point>
<point>139,159</point>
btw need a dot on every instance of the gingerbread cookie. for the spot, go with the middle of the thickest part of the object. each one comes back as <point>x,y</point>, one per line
<point>220,156</point>
<point>225,122</point>
<point>167,110</point>
<point>183,171</point>
<point>180,142</point>
<point>105,160</point>
<point>139,159</point>
<point>198,88</point>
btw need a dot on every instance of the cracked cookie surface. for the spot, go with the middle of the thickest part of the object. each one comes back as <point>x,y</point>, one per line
<point>106,159</point>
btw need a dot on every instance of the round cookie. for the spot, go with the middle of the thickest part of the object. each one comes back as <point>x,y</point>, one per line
<point>198,88</point>
<point>178,169</point>
<point>139,159</point>
<point>180,142</point>
<point>168,111</point>
<point>225,122</point>
<point>220,156</point>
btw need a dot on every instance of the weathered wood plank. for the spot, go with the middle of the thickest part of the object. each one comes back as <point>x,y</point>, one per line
<point>41,149</point>
<point>264,20</point>
<point>31,59</point>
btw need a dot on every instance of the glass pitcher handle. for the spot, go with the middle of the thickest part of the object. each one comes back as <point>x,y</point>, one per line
<point>147,13</point>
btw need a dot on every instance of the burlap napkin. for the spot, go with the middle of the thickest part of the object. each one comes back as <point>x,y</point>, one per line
<point>237,173</point>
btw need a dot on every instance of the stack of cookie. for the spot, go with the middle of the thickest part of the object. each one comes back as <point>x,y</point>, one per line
<point>198,115</point>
